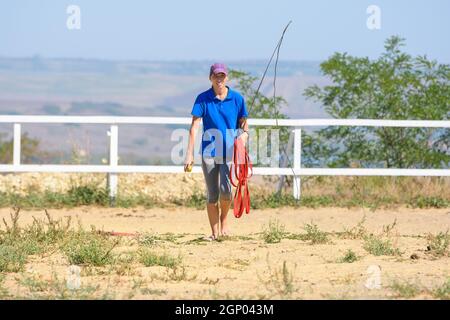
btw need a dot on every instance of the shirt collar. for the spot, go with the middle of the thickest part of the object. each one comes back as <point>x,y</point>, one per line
<point>228,97</point>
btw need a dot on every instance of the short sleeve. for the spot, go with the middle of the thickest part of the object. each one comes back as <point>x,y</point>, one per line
<point>242,109</point>
<point>198,110</point>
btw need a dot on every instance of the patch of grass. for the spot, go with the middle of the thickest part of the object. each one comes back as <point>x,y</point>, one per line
<point>357,232</point>
<point>235,238</point>
<point>274,232</point>
<point>405,289</point>
<point>316,201</point>
<point>349,257</point>
<point>200,241</point>
<point>438,245</point>
<point>123,264</point>
<point>442,292</point>
<point>171,237</point>
<point>389,228</point>
<point>175,273</point>
<point>12,259</point>
<point>429,202</point>
<point>151,239</point>
<point>274,200</point>
<point>178,273</point>
<point>34,284</point>
<point>134,201</point>
<point>16,243</point>
<point>31,200</point>
<point>149,258</point>
<point>42,236</point>
<point>55,288</point>
<point>76,196</point>
<point>89,248</point>
<point>156,292</point>
<point>88,195</point>
<point>280,281</point>
<point>148,239</point>
<point>371,192</point>
<point>315,235</point>
<point>381,245</point>
<point>378,246</point>
<point>12,230</point>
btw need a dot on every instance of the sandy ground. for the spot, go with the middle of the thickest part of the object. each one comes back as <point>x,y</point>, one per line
<point>244,266</point>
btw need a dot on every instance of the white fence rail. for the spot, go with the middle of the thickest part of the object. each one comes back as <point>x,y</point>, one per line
<point>113,168</point>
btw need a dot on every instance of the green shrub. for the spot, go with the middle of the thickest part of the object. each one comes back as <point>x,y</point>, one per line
<point>274,232</point>
<point>85,195</point>
<point>89,248</point>
<point>315,235</point>
<point>349,257</point>
<point>378,246</point>
<point>438,245</point>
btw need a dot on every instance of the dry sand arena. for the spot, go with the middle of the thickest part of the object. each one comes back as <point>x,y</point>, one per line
<point>244,265</point>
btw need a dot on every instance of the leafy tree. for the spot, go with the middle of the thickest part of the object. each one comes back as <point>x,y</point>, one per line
<point>263,106</point>
<point>395,86</point>
<point>259,105</point>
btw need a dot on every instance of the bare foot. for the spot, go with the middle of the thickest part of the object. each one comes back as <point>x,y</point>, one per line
<point>224,232</point>
<point>210,238</point>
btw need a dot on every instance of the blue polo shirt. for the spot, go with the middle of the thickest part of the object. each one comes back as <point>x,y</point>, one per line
<point>220,121</point>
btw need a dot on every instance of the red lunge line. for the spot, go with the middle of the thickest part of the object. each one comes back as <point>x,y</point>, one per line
<point>241,164</point>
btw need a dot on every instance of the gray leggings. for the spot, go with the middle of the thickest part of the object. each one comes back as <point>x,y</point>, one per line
<point>214,173</point>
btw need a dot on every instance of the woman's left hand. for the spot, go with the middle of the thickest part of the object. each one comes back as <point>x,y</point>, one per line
<point>244,137</point>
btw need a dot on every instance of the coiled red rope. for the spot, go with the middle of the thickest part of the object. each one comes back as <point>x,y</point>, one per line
<point>242,165</point>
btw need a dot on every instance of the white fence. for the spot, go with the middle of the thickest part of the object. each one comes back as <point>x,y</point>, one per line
<point>113,169</point>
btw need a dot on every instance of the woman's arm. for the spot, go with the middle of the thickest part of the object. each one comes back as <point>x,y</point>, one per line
<point>192,134</point>
<point>244,126</point>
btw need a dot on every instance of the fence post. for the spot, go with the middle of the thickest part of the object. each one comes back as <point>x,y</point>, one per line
<point>17,144</point>
<point>113,162</point>
<point>297,161</point>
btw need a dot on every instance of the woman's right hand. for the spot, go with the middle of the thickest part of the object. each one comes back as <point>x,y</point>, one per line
<point>188,162</point>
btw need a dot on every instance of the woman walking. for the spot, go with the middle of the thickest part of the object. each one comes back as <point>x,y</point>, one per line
<point>223,112</point>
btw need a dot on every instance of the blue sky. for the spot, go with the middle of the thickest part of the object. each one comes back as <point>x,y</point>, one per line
<point>227,30</point>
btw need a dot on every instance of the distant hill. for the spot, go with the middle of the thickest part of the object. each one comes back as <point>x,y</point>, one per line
<point>192,68</point>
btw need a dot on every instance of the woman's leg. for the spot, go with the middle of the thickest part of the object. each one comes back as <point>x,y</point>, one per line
<point>211,174</point>
<point>225,197</point>
<point>213,216</point>
<point>224,208</point>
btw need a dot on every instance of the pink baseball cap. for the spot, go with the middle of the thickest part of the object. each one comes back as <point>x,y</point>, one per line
<point>218,68</point>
